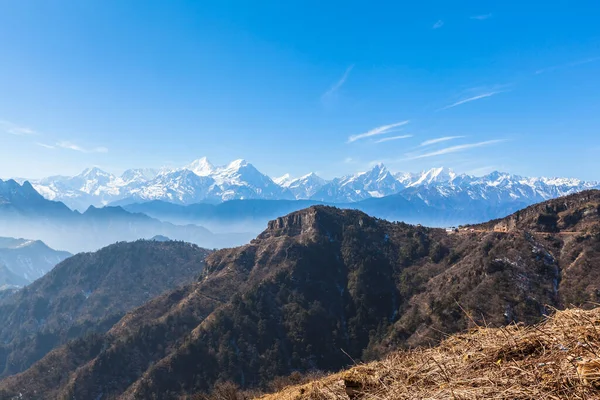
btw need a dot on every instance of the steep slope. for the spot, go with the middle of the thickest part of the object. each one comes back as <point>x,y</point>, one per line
<point>547,361</point>
<point>89,292</point>
<point>28,259</point>
<point>326,280</point>
<point>319,285</point>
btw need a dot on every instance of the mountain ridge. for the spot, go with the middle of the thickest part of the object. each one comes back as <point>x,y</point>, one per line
<point>324,279</point>
<point>25,213</point>
<point>89,292</point>
<point>201,181</point>
<point>27,260</point>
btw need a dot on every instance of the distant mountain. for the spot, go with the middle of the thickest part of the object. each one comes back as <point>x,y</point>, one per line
<point>25,213</point>
<point>10,280</point>
<point>304,187</point>
<point>202,182</point>
<point>234,215</point>
<point>323,288</point>
<point>87,293</point>
<point>160,238</point>
<point>196,182</point>
<point>26,260</point>
<point>378,182</point>
<point>16,199</point>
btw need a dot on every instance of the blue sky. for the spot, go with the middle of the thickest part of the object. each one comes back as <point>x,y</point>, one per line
<point>300,86</point>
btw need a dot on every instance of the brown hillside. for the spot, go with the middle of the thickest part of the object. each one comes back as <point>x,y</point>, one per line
<point>89,292</point>
<point>557,359</point>
<point>574,213</point>
<point>320,285</point>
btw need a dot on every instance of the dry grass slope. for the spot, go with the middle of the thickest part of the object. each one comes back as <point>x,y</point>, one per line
<point>558,359</point>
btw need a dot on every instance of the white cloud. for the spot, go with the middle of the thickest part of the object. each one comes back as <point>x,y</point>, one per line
<point>394,138</point>
<point>14,129</point>
<point>482,17</point>
<point>439,140</point>
<point>470,99</point>
<point>571,64</point>
<point>339,83</point>
<point>455,149</point>
<point>381,130</point>
<point>47,146</point>
<point>438,24</point>
<point>72,146</point>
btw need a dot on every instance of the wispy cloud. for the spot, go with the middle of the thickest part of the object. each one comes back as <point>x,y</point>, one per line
<point>439,140</point>
<point>482,17</point>
<point>336,86</point>
<point>387,139</point>
<point>381,130</point>
<point>470,99</point>
<point>72,146</point>
<point>455,149</point>
<point>568,65</point>
<point>44,145</point>
<point>15,129</point>
<point>438,24</point>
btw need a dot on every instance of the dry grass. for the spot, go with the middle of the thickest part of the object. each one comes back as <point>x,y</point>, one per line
<point>558,359</point>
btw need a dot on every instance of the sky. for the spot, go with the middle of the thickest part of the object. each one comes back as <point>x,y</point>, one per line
<point>299,86</point>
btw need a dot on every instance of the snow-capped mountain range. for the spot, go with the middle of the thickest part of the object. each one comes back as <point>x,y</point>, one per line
<point>201,181</point>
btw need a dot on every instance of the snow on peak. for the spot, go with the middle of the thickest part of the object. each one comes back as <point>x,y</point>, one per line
<point>284,180</point>
<point>237,164</point>
<point>379,167</point>
<point>201,180</point>
<point>201,167</point>
<point>139,175</point>
<point>305,186</point>
<point>435,175</point>
<point>94,172</point>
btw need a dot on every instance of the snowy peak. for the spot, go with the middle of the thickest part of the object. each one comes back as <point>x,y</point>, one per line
<point>139,175</point>
<point>311,177</point>
<point>435,175</point>
<point>239,172</point>
<point>305,186</point>
<point>201,167</point>
<point>237,164</point>
<point>201,181</point>
<point>377,182</point>
<point>284,180</point>
<point>95,173</point>
<point>406,178</point>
